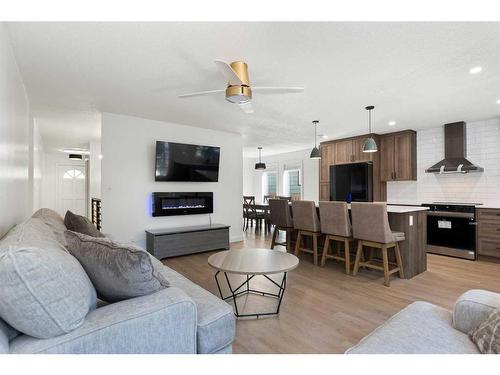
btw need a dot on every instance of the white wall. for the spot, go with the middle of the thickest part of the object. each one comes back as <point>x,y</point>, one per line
<point>37,166</point>
<point>128,166</point>
<point>15,191</point>
<point>252,179</point>
<point>49,181</point>
<point>483,149</point>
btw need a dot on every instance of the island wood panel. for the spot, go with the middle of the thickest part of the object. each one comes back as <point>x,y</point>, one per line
<point>414,247</point>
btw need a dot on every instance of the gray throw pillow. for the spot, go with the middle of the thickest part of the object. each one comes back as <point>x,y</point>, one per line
<point>44,291</point>
<point>118,271</point>
<point>487,335</point>
<point>80,224</point>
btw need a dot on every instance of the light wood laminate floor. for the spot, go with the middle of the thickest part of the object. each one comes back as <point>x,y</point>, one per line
<point>326,311</point>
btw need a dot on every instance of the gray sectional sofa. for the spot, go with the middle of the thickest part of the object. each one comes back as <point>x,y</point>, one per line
<point>183,318</point>
<point>424,328</point>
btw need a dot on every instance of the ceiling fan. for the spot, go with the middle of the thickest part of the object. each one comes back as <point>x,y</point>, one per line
<point>238,89</point>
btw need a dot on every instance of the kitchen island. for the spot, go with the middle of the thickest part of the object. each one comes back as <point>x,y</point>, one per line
<point>412,220</point>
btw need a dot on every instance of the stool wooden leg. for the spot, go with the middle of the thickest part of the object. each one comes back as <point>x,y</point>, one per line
<point>347,257</point>
<point>399,262</point>
<point>273,242</point>
<point>386,265</point>
<point>325,251</point>
<point>315,249</point>
<point>297,243</point>
<point>358,257</point>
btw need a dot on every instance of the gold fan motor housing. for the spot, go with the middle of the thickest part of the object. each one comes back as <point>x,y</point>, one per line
<point>243,92</point>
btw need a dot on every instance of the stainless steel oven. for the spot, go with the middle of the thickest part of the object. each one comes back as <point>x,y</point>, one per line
<point>451,229</point>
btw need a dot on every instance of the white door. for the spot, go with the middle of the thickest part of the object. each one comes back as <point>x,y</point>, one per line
<point>71,189</point>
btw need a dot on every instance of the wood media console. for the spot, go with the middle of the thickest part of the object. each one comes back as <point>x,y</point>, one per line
<point>165,243</point>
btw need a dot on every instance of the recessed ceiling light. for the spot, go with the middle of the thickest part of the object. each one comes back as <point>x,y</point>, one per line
<point>475,70</point>
<point>392,123</point>
<point>498,101</point>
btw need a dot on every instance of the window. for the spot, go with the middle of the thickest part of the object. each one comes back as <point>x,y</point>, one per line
<point>293,187</point>
<point>270,183</point>
<point>73,173</point>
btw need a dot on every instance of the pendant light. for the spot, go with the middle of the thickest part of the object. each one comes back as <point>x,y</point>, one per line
<point>260,165</point>
<point>370,145</point>
<point>315,151</point>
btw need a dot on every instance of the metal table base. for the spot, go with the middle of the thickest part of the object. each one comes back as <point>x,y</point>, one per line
<point>235,293</point>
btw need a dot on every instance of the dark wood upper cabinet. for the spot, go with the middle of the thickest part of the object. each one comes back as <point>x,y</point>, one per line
<point>398,156</point>
<point>359,155</point>
<point>327,158</point>
<point>344,152</point>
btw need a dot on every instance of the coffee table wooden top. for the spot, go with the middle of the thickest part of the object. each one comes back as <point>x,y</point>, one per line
<point>253,261</point>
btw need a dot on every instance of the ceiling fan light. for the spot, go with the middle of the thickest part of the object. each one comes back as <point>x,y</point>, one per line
<point>315,153</point>
<point>370,145</point>
<point>238,94</point>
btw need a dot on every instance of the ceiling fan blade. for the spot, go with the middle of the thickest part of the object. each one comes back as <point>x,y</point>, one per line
<point>277,90</point>
<point>228,73</point>
<point>246,107</point>
<point>200,93</point>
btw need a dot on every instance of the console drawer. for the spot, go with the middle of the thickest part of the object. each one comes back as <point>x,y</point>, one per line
<point>488,229</point>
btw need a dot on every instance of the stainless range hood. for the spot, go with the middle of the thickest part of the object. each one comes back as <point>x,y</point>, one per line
<point>455,152</point>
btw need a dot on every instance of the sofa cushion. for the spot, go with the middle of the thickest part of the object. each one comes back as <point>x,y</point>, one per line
<point>118,271</point>
<point>80,224</point>
<point>473,307</point>
<point>44,292</point>
<point>420,328</point>
<point>54,222</point>
<point>487,335</point>
<point>216,321</point>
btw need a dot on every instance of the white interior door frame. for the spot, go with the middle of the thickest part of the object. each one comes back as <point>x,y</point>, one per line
<point>77,206</point>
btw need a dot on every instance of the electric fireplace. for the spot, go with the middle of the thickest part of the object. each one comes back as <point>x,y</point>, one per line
<point>170,204</point>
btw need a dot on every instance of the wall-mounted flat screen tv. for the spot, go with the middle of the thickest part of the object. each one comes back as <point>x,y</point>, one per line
<point>184,162</point>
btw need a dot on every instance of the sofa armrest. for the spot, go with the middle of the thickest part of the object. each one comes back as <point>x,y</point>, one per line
<point>473,307</point>
<point>162,322</point>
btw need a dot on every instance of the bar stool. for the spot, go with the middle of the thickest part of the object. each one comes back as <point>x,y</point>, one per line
<point>281,218</point>
<point>370,225</point>
<point>336,226</point>
<point>305,220</point>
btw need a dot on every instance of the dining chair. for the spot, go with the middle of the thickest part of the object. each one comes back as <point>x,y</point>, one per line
<point>250,212</point>
<point>306,221</point>
<point>336,226</point>
<point>370,226</point>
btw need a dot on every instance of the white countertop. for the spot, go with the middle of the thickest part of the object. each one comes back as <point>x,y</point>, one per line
<point>396,209</point>
<point>488,204</point>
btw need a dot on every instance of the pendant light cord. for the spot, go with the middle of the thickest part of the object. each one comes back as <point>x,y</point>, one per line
<point>370,120</point>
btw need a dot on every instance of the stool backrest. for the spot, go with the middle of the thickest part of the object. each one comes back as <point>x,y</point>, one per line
<point>305,216</point>
<point>280,213</point>
<point>289,199</point>
<point>335,218</point>
<point>370,222</point>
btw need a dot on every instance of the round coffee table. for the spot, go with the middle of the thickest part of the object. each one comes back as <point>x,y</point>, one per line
<point>253,262</point>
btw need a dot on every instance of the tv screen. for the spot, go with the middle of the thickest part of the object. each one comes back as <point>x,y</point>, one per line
<point>183,162</point>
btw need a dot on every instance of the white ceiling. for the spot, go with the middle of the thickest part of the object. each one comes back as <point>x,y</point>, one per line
<point>414,73</point>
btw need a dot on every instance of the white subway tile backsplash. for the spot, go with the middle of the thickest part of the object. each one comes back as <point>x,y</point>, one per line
<point>483,148</point>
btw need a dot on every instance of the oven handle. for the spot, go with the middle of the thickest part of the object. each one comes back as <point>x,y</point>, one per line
<point>445,214</point>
